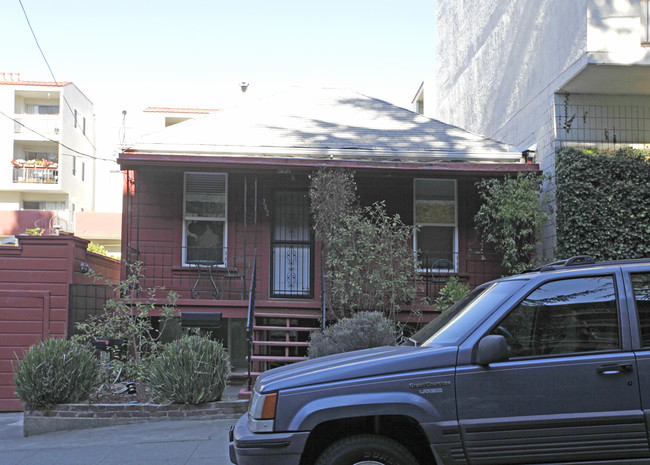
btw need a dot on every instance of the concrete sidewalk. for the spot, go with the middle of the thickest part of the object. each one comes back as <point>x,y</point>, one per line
<point>186,442</point>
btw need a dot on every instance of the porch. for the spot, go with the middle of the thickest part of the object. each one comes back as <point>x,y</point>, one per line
<point>222,275</point>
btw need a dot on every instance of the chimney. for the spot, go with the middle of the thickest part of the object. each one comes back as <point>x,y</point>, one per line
<point>244,87</point>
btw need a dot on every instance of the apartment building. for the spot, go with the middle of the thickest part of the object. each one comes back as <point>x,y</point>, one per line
<point>47,146</point>
<point>543,74</point>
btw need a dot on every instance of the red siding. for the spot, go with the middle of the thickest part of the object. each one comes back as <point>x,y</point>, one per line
<point>34,292</point>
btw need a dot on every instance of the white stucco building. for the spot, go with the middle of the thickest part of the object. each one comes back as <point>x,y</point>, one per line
<point>543,74</point>
<point>47,138</point>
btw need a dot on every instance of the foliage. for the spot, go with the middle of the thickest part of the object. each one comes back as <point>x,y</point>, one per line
<point>190,370</point>
<point>453,291</point>
<point>362,331</point>
<point>56,371</point>
<point>511,217</point>
<point>603,203</point>
<point>34,231</point>
<point>369,262</point>
<point>333,197</point>
<point>129,318</point>
<point>97,248</point>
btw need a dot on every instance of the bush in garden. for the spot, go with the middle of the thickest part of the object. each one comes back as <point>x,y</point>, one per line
<point>361,331</point>
<point>453,291</point>
<point>56,371</point>
<point>190,370</point>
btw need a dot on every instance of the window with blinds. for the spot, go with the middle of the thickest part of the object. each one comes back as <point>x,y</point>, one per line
<point>205,202</point>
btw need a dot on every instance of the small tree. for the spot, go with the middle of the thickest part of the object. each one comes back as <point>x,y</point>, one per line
<point>369,263</point>
<point>129,318</point>
<point>511,217</point>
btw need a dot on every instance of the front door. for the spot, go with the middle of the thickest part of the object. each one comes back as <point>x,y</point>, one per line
<point>569,392</point>
<point>293,246</point>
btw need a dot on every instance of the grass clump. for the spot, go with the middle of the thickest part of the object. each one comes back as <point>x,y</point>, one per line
<point>190,370</point>
<point>56,371</point>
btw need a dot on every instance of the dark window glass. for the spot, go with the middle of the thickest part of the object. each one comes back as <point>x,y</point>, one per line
<point>565,316</point>
<point>641,285</point>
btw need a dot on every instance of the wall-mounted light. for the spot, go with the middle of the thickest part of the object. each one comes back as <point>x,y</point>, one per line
<point>84,268</point>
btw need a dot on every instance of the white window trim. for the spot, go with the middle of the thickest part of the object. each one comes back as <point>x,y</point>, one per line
<point>645,22</point>
<point>204,218</point>
<point>446,225</point>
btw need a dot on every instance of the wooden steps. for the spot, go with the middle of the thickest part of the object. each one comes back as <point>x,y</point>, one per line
<point>280,338</point>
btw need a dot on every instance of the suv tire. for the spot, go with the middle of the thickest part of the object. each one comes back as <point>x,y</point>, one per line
<point>366,449</point>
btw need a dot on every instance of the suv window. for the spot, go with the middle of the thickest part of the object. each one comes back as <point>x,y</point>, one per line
<point>564,316</point>
<point>641,286</point>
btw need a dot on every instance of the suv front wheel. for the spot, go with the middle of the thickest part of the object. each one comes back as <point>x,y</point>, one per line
<point>367,449</point>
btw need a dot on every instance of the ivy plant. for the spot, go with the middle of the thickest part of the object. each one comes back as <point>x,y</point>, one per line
<point>603,203</point>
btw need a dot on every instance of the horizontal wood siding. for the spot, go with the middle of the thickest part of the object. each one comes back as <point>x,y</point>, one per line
<point>34,296</point>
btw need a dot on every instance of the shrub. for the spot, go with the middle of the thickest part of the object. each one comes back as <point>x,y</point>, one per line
<point>56,371</point>
<point>510,218</point>
<point>361,331</point>
<point>190,370</point>
<point>453,291</point>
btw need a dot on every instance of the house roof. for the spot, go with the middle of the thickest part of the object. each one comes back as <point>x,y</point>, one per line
<point>323,124</point>
<point>191,111</point>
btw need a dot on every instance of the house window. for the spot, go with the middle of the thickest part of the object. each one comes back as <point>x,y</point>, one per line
<point>49,156</point>
<point>645,22</point>
<point>75,115</point>
<point>204,217</point>
<point>435,216</point>
<point>37,109</point>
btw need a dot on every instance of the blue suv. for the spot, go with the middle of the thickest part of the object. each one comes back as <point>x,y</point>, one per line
<point>550,366</point>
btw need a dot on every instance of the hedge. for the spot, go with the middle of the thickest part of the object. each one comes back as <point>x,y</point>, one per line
<point>603,203</point>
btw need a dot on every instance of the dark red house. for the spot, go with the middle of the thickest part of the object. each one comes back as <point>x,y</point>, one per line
<point>216,204</point>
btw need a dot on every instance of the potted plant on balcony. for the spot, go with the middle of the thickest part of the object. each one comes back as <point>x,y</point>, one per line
<point>18,163</point>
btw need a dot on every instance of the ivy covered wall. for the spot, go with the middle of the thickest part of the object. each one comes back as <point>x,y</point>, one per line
<point>603,203</point>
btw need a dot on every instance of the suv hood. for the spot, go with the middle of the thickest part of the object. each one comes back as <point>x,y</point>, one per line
<point>357,364</point>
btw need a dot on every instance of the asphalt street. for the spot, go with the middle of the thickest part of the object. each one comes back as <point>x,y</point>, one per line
<point>178,442</point>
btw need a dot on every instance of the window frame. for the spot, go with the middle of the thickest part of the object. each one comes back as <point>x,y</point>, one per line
<point>454,250</point>
<point>645,22</point>
<point>224,219</point>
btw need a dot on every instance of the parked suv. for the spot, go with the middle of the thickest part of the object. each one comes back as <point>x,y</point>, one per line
<point>547,367</point>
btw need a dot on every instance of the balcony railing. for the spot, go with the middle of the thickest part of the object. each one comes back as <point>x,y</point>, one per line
<point>36,175</point>
<point>32,126</point>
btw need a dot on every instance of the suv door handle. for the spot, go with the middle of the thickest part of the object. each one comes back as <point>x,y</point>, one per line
<point>615,369</point>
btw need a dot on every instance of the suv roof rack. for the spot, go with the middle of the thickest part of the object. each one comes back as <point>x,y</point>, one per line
<point>578,260</point>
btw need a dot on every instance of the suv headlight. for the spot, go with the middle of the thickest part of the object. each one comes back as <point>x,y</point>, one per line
<point>261,412</point>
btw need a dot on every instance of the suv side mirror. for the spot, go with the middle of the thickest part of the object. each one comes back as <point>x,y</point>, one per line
<point>491,349</point>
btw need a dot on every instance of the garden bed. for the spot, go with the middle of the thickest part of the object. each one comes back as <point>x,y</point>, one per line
<point>128,408</point>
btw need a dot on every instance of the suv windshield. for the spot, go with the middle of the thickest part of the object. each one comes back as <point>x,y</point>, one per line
<point>452,326</point>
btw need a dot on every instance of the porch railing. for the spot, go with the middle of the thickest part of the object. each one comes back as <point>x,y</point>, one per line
<point>195,272</point>
<point>471,267</point>
<point>250,323</point>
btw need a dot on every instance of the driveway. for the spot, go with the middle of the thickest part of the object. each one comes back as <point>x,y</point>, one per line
<point>185,442</point>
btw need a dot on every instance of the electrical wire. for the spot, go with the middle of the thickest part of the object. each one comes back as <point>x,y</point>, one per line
<point>93,157</point>
<point>51,72</point>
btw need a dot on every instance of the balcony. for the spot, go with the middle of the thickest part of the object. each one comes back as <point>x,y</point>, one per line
<point>36,175</point>
<point>35,127</point>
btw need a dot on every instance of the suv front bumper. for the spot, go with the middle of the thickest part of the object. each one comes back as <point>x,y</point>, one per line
<point>248,448</point>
